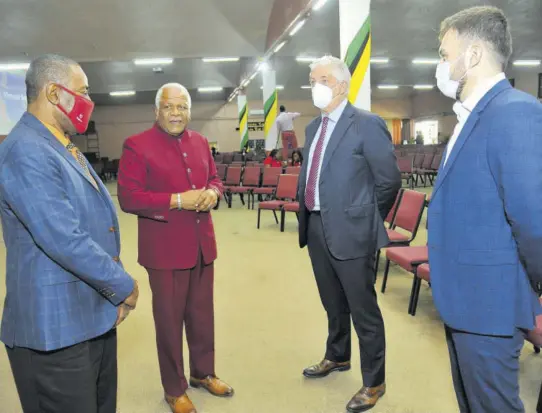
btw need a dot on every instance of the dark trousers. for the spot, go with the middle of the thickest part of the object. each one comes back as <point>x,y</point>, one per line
<point>539,405</point>
<point>347,290</point>
<point>485,371</point>
<point>81,378</point>
<point>183,297</point>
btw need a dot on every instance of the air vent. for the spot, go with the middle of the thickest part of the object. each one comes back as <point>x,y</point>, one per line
<point>158,70</point>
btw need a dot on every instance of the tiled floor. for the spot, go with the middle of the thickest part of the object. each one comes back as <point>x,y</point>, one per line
<point>270,325</point>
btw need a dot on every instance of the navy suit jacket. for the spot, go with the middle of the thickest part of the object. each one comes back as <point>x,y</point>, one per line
<point>63,275</point>
<point>359,181</point>
<point>485,217</point>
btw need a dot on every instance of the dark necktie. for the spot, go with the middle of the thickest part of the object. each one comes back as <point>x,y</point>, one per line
<point>82,161</point>
<point>310,192</point>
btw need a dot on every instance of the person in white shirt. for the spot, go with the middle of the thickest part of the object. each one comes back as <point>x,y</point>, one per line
<point>285,126</point>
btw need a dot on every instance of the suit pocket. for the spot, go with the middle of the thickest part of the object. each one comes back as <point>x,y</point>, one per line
<point>361,211</point>
<point>56,277</point>
<point>488,257</point>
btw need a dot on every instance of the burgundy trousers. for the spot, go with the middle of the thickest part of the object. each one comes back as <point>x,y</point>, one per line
<point>289,141</point>
<point>183,297</point>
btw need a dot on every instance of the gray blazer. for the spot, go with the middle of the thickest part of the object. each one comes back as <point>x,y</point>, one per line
<point>358,184</point>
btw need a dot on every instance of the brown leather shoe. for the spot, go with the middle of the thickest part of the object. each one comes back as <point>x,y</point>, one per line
<point>366,398</point>
<point>325,367</point>
<point>213,385</point>
<point>180,404</point>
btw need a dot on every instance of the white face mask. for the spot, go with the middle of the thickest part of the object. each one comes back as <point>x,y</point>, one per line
<point>321,96</point>
<point>447,86</point>
<point>445,83</point>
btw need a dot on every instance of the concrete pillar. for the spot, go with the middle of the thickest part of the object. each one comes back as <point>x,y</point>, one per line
<point>243,118</point>
<point>355,29</point>
<point>270,107</point>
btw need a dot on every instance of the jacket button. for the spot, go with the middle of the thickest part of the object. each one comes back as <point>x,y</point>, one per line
<point>116,259</point>
<point>111,229</point>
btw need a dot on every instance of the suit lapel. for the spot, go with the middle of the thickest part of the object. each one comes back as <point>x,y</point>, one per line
<point>461,139</point>
<point>466,132</point>
<point>35,124</point>
<point>339,132</point>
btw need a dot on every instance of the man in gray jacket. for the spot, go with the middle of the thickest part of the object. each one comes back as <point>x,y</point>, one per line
<point>346,189</point>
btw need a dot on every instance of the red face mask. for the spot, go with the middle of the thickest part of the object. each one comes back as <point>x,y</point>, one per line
<point>81,111</point>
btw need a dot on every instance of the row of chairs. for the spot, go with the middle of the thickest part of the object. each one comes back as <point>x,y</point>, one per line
<point>252,181</point>
<point>420,166</point>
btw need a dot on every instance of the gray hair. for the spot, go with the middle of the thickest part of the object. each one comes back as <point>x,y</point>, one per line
<point>46,69</point>
<point>175,86</point>
<point>485,23</point>
<point>339,68</point>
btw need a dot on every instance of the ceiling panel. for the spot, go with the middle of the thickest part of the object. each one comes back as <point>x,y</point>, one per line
<point>107,35</point>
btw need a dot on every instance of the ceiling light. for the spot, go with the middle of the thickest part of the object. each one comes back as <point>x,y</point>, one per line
<point>527,63</point>
<point>423,87</point>
<point>319,4</point>
<point>388,87</point>
<point>245,83</point>
<point>426,61</point>
<point>219,59</point>
<point>306,87</point>
<point>297,27</point>
<point>279,87</point>
<point>14,66</point>
<point>305,59</point>
<point>280,46</point>
<point>122,93</point>
<point>210,89</point>
<point>380,60</point>
<point>157,61</point>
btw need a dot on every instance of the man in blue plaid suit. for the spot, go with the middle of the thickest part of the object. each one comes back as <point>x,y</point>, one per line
<point>66,287</point>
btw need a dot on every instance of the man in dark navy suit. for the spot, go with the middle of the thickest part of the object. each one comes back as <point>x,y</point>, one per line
<point>485,216</point>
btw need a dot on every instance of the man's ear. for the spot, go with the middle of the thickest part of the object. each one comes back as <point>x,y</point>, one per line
<point>156,113</point>
<point>52,93</point>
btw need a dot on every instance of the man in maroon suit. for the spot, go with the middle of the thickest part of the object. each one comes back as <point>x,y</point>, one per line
<point>167,177</point>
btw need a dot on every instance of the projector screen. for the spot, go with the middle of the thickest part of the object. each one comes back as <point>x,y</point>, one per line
<point>12,100</point>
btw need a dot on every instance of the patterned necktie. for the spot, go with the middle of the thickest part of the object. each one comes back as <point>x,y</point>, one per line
<point>310,192</point>
<point>82,161</point>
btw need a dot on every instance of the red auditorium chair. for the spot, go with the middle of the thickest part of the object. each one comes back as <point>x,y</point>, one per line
<point>289,207</point>
<point>406,168</point>
<point>233,180</point>
<point>421,272</point>
<point>408,258</point>
<point>393,211</point>
<point>221,171</point>
<point>269,184</point>
<point>426,165</point>
<point>286,192</point>
<point>251,180</point>
<point>293,170</point>
<point>408,218</point>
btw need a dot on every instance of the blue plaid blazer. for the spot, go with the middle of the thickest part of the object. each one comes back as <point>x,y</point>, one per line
<point>485,218</point>
<point>64,279</point>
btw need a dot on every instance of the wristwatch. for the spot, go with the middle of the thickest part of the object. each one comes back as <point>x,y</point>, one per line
<point>179,202</point>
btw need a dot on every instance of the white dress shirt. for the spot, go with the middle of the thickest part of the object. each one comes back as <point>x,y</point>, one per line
<point>464,109</point>
<point>285,121</point>
<point>333,119</point>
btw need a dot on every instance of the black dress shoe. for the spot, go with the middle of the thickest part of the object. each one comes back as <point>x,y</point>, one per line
<point>366,398</point>
<point>325,367</point>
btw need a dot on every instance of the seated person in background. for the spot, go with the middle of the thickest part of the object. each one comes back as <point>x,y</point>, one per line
<point>271,161</point>
<point>297,158</point>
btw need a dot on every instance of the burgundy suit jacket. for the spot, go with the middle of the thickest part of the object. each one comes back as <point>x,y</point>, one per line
<point>153,166</point>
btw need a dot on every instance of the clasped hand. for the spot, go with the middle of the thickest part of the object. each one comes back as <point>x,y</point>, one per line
<point>200,200</point>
